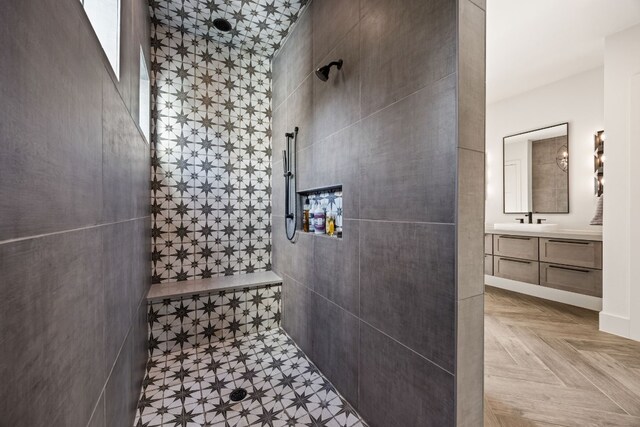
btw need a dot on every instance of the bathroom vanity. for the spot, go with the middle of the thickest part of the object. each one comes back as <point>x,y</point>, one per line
<point>559,265</point>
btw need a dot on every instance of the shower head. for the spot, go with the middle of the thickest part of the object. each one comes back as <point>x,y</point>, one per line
<point>323,72</point>
<point>222,24</point>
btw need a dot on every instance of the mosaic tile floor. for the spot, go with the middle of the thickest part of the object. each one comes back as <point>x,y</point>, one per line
<point>192,387</point>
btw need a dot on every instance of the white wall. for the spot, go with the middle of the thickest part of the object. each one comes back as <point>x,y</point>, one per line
<point>578,100</point>
<point>621,290</point>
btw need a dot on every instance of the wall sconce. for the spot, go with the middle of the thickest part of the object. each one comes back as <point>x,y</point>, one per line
<point>598,163</point>
<point>562,158</point>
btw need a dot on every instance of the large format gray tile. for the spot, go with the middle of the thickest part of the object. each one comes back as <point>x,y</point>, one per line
<point>406,45</point>
<point>141,260</point>
<point>279,75</point>
<point>51,153</point>
<point>470,362</point>
<point>336,102</point>
<point>334,161</point>
<point>302,258</point>
<point>125,161</point>
<point>281,247</point>
<point>116,156</point>
<point>335,345</point>
<point>51,336</point>
<point>277,193</point>
<point>408,162</point>
<point>482,4</point>
<point>117,274</point>
<point>279,125</point>
<point>296,313</point>
<point>295,258</point>
<point>332,20</point>
<point>97,419</point>
<point>298,51</point>
<point>336,277</point>
<point>300,109</point>
<point>400,388</point>
<point>470,223</point>
<point>407,285</point>
<point>119,398</point>
<point>471,76</point>
<point>139,349</point>
<point>140,175</point>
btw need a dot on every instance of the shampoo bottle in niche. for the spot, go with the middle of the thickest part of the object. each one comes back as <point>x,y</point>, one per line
<point>319,219</point>
<point>305,215</point>
<point>331,223</point>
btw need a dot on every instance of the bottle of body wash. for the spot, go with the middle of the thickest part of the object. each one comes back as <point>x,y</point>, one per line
<point>305,215</point>
<point>319,219</point>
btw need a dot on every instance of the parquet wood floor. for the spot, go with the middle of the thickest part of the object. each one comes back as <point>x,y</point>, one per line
<point>547,364</point>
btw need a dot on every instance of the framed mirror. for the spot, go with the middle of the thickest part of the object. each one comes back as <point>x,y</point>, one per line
<point>536,171</point>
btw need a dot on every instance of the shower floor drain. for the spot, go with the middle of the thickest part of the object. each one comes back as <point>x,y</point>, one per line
<point>238,394</point>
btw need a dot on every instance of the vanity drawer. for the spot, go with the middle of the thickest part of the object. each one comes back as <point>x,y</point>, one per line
<point>488,244</point>
<point>573,279</point>
<point>516,269</point>
<point>488,265</point>
<point>580,253</point>
<point>522,247</point>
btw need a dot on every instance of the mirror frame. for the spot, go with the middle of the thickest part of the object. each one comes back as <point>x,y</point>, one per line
<point>504,210</point>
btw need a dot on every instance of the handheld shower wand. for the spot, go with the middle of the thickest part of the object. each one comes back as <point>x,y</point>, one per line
<point>288,164</point>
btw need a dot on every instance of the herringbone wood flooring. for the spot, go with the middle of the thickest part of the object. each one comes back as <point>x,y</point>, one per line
<point>546,364</point>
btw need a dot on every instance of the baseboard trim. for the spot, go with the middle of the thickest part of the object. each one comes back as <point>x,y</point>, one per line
<point>615,325</point>
<point>571,298</point>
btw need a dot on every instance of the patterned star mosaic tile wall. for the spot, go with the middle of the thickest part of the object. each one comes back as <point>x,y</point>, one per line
<point>211,136</point>
<point>258,26</point>
<point>186,322</point>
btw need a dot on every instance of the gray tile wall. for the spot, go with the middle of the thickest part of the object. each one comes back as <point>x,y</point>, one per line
<point>391,313</point>
<point>74,220</point>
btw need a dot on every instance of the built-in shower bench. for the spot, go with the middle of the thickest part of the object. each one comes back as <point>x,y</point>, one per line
<point>171,290</point>
<point>196,312</point>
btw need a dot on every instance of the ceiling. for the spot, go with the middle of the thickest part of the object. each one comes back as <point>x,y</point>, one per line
<point>258,26</point>
<point>534,43</point>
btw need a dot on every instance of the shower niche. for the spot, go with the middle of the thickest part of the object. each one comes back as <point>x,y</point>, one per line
<point>320,211</point>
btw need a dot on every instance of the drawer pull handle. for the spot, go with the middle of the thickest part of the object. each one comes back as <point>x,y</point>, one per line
<point>515,260</point>
<point>579,270</point>
<point>568,242</point>
<point>515,237</point>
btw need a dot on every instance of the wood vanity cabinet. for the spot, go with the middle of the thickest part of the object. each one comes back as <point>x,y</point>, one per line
<point>565,264</point>
<point>582,253</point>
<point>521,270</point>
<point>521,247</point>
<point>488,254</point>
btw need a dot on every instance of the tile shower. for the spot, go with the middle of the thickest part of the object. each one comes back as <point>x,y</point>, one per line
<point>380,326</point>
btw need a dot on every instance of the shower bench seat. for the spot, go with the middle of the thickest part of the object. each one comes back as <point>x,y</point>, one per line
<point>171,290</point>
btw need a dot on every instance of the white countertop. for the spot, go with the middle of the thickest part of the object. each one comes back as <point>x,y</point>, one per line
<point>594,234</point>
